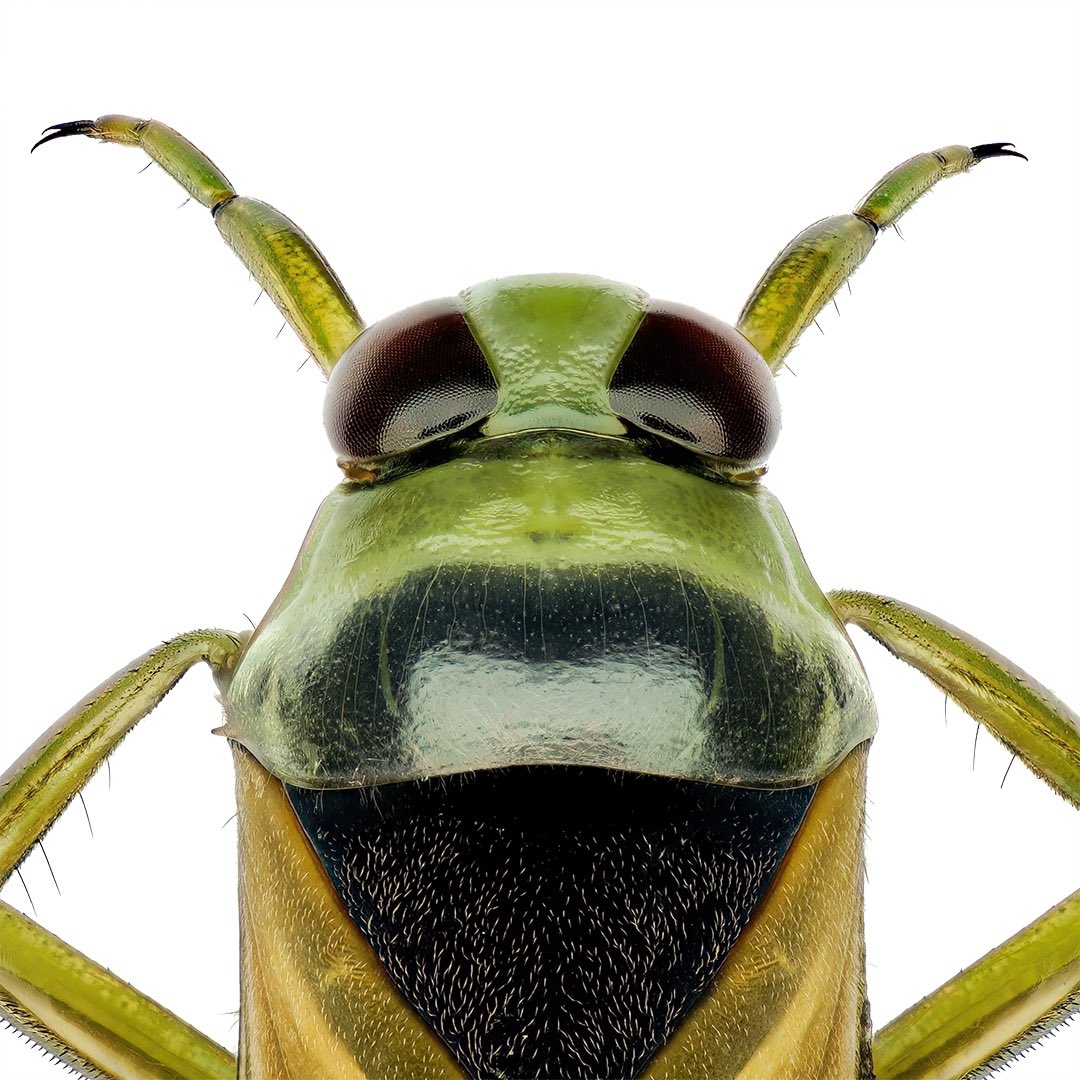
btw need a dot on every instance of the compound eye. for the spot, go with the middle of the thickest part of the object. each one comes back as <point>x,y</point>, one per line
<point>416,376</point>
<point>696,381</point>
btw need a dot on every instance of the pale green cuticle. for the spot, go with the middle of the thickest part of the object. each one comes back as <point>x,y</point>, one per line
<point>364,541</point>
<point>551,487</point>
<point>609,509</point>
<point>553,342</point>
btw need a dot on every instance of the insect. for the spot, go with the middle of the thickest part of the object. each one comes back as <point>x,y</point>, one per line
<point>550,753</point>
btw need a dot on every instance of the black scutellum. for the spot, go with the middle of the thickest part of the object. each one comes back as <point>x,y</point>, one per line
<point>551,921</point>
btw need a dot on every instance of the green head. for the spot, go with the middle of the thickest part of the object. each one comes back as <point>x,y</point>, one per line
<point>551,549</point>
<point>553,352</point>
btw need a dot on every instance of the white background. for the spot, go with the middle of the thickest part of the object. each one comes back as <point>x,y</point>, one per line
<point>162,455</point>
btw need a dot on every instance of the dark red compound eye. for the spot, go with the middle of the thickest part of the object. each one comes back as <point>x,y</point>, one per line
<point>413,377</point>
<point>695,380</point>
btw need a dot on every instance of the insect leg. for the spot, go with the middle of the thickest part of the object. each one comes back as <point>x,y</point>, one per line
<point>1021,713</point>
<point>971,1022</point>
<point>289,267</point>
<point>89,1018</point>
<point>48,990</point>
<point>995,1009</point>
<point>806,274</point>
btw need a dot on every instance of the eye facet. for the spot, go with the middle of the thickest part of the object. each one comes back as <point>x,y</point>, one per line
<point>695,380</point>
<point>413,377</point>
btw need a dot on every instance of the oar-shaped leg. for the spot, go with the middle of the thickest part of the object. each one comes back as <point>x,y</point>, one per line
<point>992,1011</point>
<point>805,275</point>
<point>63,1000</point>
<point>289,267</point>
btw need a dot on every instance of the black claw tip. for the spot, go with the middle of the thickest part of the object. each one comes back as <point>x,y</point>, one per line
<point>58,131</point>
<point>996,149</point>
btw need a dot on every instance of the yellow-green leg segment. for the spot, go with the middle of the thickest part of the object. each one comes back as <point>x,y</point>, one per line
<point>806,274</point>
<point>289,267</point>
<point>68,1004</point>
<point>992,1011</point>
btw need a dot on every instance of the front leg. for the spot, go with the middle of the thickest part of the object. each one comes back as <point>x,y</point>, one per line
<point>61,999</point>
<point>994,1010</point>
<point>805,276</point>
<point>281,257</point>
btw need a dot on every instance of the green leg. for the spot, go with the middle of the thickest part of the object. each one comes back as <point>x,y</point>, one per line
<point>1034,724</point>
<point>805,275</point>
<point>288,266</point>
<point>89,1018</point>
<point>64,1001</point>
<point>992,1011</point>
